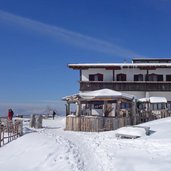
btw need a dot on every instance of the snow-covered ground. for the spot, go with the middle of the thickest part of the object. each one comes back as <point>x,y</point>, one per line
<point>53,149</point>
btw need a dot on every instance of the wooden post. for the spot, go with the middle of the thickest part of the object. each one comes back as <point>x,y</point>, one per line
<point>80,75</point>
<point>67,108</point>
<point>32,120</point>
<point>105,108</point>
<point>78,109</point>
<point>118,107</point>
<point>3,135</point>
<point>148,112</point>
<point>38,123</point>
<point>0,134</point>
<point>134,112</point>
<point>20,128</point>
<point>8,131</point>
<point>113,75</point>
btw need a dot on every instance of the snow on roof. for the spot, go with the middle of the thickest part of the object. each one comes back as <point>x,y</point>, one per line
<point>151,59</point>
<point>158,100</point>
<point>143,100</point>
<point>154,100</point>
<point>104,93</point>
<point>120,65</point>
<point>71,97</point>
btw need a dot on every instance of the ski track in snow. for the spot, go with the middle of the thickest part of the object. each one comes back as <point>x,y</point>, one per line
<point>97,148</point>
<point>91,148</point>
<point>84,151</point>
<point>71,151</point>
<point>152,149</point>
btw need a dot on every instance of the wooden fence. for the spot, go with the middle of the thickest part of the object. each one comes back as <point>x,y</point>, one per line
<point>10,130</point>
<point>99,123</point>
<point>95,123</point>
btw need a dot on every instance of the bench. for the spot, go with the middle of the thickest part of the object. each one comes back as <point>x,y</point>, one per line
<point>118,135</point>
<point>147,128</point>
<point>132,135</point>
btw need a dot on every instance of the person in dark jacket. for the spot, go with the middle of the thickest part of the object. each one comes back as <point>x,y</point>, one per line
<point>54,113</point>
<point>10,114</point>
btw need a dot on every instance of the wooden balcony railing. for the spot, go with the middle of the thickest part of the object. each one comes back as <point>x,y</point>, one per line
<point>126,85</point>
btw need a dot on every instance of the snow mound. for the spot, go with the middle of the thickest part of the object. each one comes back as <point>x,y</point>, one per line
<point>131,132</point>
<point>53,149</point>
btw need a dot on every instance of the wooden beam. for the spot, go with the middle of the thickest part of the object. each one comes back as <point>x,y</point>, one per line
<point>113,75</point>
<point>147,67</point>
<point>80,74</point>
<point>113,68</point>
<point>78,109</point>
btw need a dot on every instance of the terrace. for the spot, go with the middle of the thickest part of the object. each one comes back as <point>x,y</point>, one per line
<point>126,85</point>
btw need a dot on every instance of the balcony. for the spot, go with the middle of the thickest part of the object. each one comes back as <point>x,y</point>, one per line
<point>126,85</point>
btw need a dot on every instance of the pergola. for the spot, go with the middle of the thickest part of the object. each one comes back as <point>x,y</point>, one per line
<point>104,95</point>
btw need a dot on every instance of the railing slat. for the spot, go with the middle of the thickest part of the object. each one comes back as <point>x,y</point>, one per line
<point>126,85</point>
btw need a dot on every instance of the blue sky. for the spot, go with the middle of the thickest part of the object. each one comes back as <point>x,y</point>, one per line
<point>39,38</point>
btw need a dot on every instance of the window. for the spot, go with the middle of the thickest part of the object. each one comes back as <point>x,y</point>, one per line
<point>98,106</point>
<point>124,105</point>
<point>91,77</point>
<point>99,77</point>
<point>160,78</point>
<point>158,106</point>
<point>138,77</point>
<point>154,77</point>
<point>121,77</point>
<point>168,77</point>
<point>96,77</point>
<point>169,105</point>
<point>154,106</point>
<point>163,106</point>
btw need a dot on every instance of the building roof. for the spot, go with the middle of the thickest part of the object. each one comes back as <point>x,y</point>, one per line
<point>154,100</point>
<point>105,93</point>
<point>98,94</point>
<point>119,65</point>
<point>151,60</point>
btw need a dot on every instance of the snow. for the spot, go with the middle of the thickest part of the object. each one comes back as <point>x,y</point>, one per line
<point>104,93</point>
<point>53,149</point>
<point>158,100</point>
<point>120,64</point>
<point>154,100</point>
<point>144,99</point>
<point>131,131</point>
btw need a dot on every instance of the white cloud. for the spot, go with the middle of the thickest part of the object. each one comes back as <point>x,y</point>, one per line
<point>68,36</point>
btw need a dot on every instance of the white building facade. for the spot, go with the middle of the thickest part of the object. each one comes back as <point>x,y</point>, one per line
<point>141,78</point>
